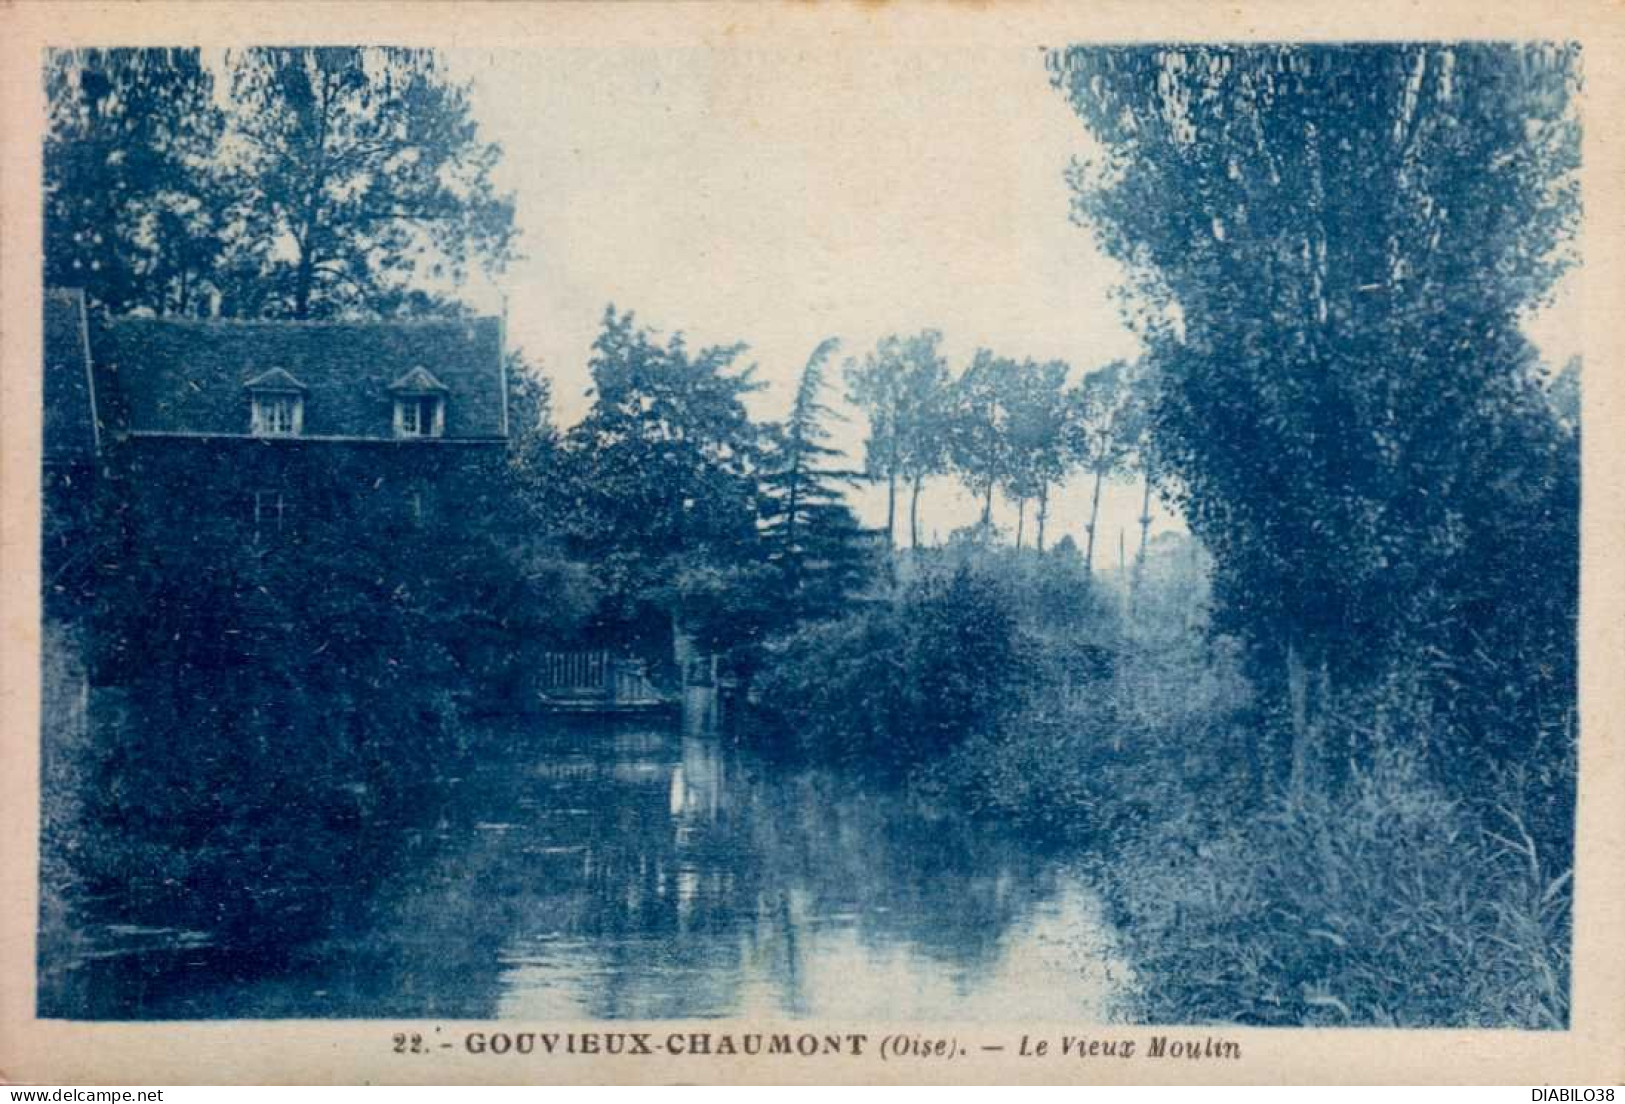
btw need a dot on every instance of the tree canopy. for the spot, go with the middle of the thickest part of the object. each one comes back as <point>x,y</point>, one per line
<point>331,181</point>
<point>661,475</point>
<point>1332,247</point>
<point>903,387</point>
<point>133,212</point>
<point>361,167</point>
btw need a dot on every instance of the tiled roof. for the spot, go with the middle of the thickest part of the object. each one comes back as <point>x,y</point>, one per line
<point>418,381</point>
<point>190,377</point>
<point>70,401</point>
<point>276,379</point>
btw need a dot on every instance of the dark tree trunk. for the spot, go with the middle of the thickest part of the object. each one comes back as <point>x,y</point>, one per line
<point>792,560</point>
<point>1139,556</point>
<point>1308,683</point>
<point>1145,518</point>
<point>1094,518</point>
<point>914,513</point>
<point>1043,514</point>
<point>987,507</point>
<point>1021,520</point>
<point>891,511</point>
<point>304,278</point>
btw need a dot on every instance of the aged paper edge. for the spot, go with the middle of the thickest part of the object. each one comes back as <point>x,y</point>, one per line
<point>355,1051</point>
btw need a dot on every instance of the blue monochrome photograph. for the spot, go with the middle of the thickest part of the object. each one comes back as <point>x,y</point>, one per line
<point>1086,534</point>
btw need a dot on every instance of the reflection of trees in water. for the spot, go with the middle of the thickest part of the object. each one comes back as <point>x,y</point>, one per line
<point>776,860</point>
<point>628,872</point>
<point>569,851</point>
<point>946,888</point>
<point>659,872</point>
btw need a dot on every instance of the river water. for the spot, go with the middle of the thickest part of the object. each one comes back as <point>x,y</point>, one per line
<point>653,870</point>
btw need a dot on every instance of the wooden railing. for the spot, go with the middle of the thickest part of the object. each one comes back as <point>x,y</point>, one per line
<point>597,674</point>
<point>582,672</point>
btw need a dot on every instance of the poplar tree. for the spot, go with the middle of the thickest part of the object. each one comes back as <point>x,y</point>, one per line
<point>1100,428</point>
<point>903,388</point>
<point>1039,457</point>
<point>1330,249</point>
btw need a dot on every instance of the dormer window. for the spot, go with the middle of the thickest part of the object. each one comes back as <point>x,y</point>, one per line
<point>420,404</point>
<point>419,416</point>
<point>276,404</point>
<point>277,415</point>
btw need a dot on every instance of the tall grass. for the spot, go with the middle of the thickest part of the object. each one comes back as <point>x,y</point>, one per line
<point>1404,891</point>
<point>1392,904</point>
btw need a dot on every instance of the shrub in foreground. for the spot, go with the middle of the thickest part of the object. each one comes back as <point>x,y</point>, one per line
<point>899,683</point>
<point>1391,905</point>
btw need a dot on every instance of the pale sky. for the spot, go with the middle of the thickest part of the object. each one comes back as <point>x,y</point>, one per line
<point>781,197</point>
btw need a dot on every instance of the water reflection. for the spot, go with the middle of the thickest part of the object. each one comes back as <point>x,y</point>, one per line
<point>653,871</point>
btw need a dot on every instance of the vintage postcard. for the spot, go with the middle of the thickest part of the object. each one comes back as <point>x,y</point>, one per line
<point>685,542</point>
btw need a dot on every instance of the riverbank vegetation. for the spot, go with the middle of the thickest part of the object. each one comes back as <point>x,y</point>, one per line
<point>1141,748</point>
<point>1371,451</point>
<point>1339,788</point>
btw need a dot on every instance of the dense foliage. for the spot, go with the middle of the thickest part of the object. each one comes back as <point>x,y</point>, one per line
<point>811,538</point>
<point>330,181</point>
<point>132,211</point>
<point>1333,247</point>
<point>900,682</point>
<point>290,680</point>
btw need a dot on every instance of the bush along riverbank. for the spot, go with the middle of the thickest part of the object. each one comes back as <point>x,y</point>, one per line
<point>1111,722</point>
<point>264,716</point>
<point>248,757</point>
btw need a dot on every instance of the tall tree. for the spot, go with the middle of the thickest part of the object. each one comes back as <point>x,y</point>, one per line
<point>812,536</point>
<point>1332,247</point>
<point>533,437</point>
<point>978,439</point>
<point>661,475</point>
<point>363,178</point>
<point>1036,433</point>
<point>1142,405</point>
<point>927,392</point>
<point>135,209</point>
<point>332,181</point>
<point>902,386</point>
<point>1101,429</point>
